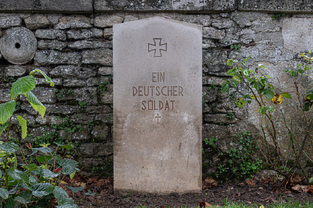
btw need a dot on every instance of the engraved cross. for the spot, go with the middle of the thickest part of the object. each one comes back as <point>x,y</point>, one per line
<point>158,117</point>
<point>157,47</point>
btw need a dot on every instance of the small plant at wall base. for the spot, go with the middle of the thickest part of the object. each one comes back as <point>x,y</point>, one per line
<point>30,183</point>
<point>261,91</point>
<point>238,162</point>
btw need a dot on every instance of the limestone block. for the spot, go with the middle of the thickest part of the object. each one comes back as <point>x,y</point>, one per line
<point>84,34</point>
<point>275,6</point>
<point>4,95</point>
<point>74,83</point>
<point>18,45</point>
<point>87,149</point>
<point>165,5</point>
<point>100,131</point>
<point>88,95</point>
<point>42,82</point>
<point>63,71</point>
<point>93,81</point>
<point>76,21</point>
<point>50,34</point>
<point>101,149</point>
<point>82,118</point>
<point>62,109</point>
<point>9,20</point>
<point>297,34</point>
<point>98,109</point>
<point>107,96</point>
<point>219,119</point>
<point>48,57</point>
<point>107,5</point>
<point>15,71</point>
<point>48,120</point>
<point>51,44</point>
<point>210,32</point>
<point>105,71</point>
<point>37,21</point>
<point>107,20</point>
<point>47,5</point>
<point>89,44</point>
<point>45,95</point>
<point>98,56</point>
<point>104,118</point>
<point>108,33</point>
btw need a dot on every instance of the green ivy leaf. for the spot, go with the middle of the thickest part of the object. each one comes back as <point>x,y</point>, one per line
<point>49,174</point>
<point>307,67</point>
<point>22,86</point>
<point>65,146</point>
<point>60,194</point>
<point>4,193</point>
<point>68,166</point>
<point>9,147</point>
<point>43,159</point>
<point>68,205</point>
<point>36,104</point>
<point>263,109</point>
<point>18,175</point>
<point>41,189</point>
<point>286,95</point>
<point>229,62</point>
<point>75,189</point>
<point>269,94</point>
<point>234,82</point>
<point>225,87</point>
<point>240,102</point>
<point>42,150</point>
<point>24,197</point>
<point>23,124</point>
<point>248,58</point>
<point>6,111</point>
<point>231,72</point>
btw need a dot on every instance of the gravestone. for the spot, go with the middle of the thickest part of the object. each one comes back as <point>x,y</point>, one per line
<point>157,106</point>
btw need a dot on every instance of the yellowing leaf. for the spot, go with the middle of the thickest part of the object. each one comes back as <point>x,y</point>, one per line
<point>23,124</point>
<point>277,99</point>
<point>36,104</point>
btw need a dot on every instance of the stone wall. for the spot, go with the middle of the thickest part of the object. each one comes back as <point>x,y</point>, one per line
<point>74,47</point>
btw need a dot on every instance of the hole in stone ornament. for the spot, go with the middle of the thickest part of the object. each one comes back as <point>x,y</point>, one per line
<point>17,45</point>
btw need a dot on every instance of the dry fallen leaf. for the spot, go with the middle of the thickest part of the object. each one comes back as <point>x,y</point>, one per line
<point>296,180</point>
<point>204,204</point>
<point>299,188</point>
<point>309,189</point>
<point>251,182</point>
<point>209,182</point>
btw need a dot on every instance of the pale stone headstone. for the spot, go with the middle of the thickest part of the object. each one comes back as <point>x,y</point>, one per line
<point>157,100</point>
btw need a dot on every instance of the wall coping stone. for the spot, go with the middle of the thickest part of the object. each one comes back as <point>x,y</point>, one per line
<point>202,6</point>
<point>46,5</point>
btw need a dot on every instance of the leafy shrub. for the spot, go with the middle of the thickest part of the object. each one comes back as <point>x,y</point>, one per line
<point>261,91</point>
<point>32,179</point>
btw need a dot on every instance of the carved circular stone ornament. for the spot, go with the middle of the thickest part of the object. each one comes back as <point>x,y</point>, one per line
<point>18,45</point>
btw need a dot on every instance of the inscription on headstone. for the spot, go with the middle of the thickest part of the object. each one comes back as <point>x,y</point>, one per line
<point>157,69</point>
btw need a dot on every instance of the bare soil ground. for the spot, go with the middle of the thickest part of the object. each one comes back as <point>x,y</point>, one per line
<point>264,192</point>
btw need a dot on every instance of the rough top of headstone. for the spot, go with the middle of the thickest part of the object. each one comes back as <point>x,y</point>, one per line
<point>292,6</point>
<point>155,19</point>
<point>47,5</point>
